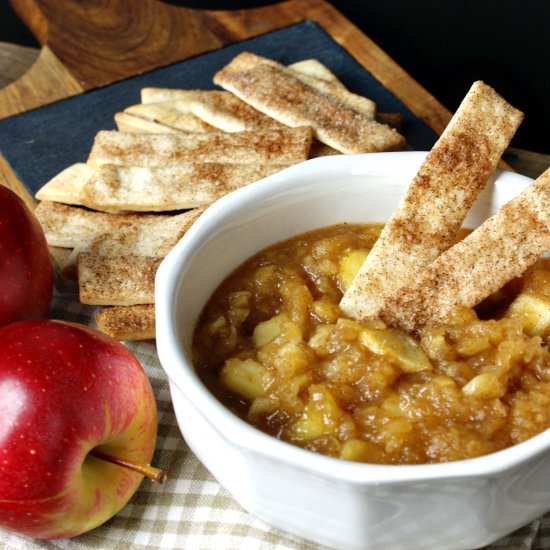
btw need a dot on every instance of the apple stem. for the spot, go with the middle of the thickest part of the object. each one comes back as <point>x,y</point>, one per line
<point>156,474</point>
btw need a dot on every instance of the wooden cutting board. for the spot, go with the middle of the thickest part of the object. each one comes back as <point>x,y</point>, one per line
<point>89,44</point>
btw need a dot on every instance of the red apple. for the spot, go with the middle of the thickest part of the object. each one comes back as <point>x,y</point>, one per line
<point>67,391</point>
<point>26,277</point>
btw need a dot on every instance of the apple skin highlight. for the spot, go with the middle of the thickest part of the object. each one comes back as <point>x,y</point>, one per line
<point>26,273</point>
<point>66,389</point>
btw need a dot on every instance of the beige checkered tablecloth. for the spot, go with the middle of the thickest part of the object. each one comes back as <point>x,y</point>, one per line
<point>191,511</point>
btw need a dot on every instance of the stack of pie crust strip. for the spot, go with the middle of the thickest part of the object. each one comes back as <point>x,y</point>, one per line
<point>122,210</point>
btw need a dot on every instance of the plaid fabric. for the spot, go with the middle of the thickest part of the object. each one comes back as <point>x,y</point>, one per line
<point>191,510</point>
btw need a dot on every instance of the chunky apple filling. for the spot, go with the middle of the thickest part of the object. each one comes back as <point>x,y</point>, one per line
<point>273,345</point>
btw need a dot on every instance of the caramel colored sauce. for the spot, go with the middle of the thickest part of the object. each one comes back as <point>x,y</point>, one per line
<point>275,348</point>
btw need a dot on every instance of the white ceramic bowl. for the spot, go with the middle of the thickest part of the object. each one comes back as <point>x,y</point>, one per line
<point>463,504</point>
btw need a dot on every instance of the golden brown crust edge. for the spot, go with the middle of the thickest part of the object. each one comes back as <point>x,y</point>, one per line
<point>128,322</point>
<point>427,219</point>
<point>502,248</point>
<point>297,103</point>
<point>276,146</point>
<point>116,280</point>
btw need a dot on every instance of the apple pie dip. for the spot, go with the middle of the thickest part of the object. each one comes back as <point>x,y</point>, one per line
<point>274,346</point>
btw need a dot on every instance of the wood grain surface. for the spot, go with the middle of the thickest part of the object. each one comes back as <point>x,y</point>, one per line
<point>14,61</point>
<point>90,43</point>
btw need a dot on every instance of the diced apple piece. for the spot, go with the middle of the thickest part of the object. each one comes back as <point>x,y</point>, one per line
<point>248,378</point>
<point>261,407</point>
<point>297,384</point>
<point>395,433</point>
<point>461,315</point>
<point>319,341</point>
<point>361,451</point>
<point>278,328</point>
<point>533,310</point>
<point>239,315</point>
<point>443,381</point>
<point>473,345</point>
<point>308,427</point>
<point>266,331</point>
<point>239,309</point>
<point>297,301</point>
<point>374,324</point>
<point>321,416</point>
<point>347,329</point>
<point>349,266</point>
<point>537,280</point>
<point>392,405</point>
<point>399,347</point>
<point>292,358</point>
<point>290,332</point>
<point>433,341</point>
<point>325,311</point>
<point>484,386</point>
<point>217,324</point>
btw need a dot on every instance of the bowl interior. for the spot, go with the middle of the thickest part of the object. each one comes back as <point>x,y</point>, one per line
<point>317,193</point>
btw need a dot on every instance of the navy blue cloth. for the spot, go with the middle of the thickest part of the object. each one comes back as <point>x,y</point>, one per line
<point>40,143</point>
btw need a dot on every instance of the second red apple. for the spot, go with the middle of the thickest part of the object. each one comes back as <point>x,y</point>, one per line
<point>26,275</point>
